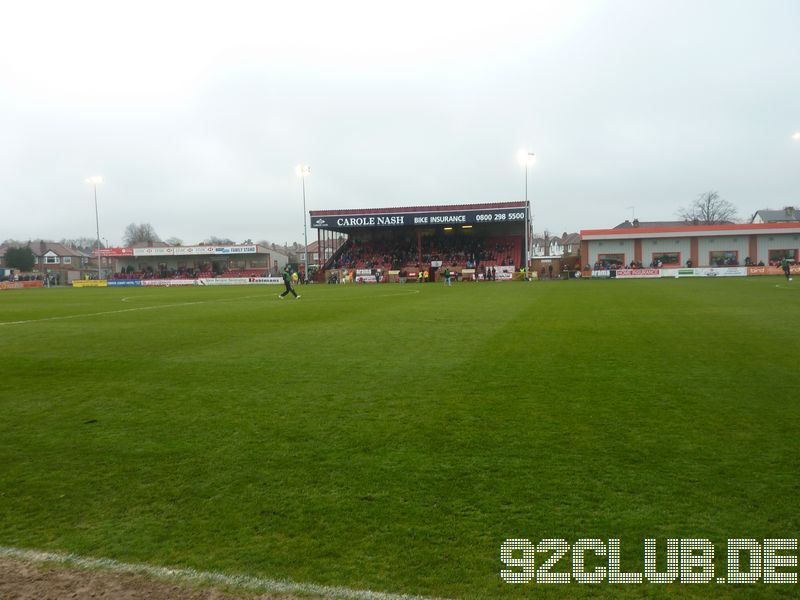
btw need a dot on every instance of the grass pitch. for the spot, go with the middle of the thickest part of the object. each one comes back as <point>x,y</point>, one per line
<point>391,437</point>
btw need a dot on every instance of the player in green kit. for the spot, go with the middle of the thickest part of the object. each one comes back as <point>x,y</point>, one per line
<point>287,281</point>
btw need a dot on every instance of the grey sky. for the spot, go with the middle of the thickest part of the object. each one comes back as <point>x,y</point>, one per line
<point>197,113</point>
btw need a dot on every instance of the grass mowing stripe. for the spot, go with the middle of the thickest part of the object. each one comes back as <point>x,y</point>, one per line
<point>246,582</point>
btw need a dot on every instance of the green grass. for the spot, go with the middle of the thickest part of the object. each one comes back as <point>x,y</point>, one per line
<point>391,437</point>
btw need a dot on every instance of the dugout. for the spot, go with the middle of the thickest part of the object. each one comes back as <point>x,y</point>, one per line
<point>388,244</point>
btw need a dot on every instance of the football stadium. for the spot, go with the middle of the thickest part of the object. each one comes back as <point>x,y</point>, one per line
<point>421,440</point>
<point>529,329</point>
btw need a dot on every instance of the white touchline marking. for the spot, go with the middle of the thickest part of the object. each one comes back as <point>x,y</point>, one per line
<point>124,310</point>
<point>106,312</point>
<point>258,584</point>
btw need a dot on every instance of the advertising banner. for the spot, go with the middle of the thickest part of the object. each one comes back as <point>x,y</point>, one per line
<point>505,273</point>
<point>19,285</point>
<point>113,252</point>
<point>124,282</point>
<point>167,282</point>
<point>601,273</point>
<point>638,273</point>
<point>793,269</point>
<point>195,250</point>
<point>411,219</point>
<point>706,272</point>
<point>721,272</point>
<point>89,283</point>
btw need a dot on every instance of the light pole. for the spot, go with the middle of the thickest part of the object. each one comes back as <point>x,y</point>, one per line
<point>526,159</point>
<point>94,182</point>
<point>302,171</point>
<point>109,270</point>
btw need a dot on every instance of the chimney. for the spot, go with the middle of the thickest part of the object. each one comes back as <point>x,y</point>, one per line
<point>789,211</point>
<point>636,222</point>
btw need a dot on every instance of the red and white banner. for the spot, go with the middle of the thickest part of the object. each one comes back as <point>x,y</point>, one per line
<point>793,269</point>
<point>113,252</point>
<point>18,285</point>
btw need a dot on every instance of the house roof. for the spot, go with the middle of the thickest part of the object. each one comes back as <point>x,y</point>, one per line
<point>790,213</point>
<point>333,244</point>
<point>637,223</point>
<point>571,238</point>
<point>42,247</point>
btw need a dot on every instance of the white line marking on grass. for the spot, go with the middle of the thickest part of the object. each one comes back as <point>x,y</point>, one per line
<point>106,312</point>
<point>124,310</point>
<point>257,584</point>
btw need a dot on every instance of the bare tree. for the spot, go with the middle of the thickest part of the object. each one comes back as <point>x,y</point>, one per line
<point>217,241</point>
<point>135,234</point>
<point>85,244</point>
<point>709,209</point>
<point>174,241</point>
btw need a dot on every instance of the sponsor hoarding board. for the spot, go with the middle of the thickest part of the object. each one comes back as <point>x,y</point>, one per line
<point>638,273</point>
<point>167,282</point>
<point>706,272</point>
<point>793,269</point>
<point>417,219</point>
<point>721,272</point>
<point>195,250</point>
<point>113,252</point>
<point>19,285</point>
<point>89,283</point>
<point>124,283</point>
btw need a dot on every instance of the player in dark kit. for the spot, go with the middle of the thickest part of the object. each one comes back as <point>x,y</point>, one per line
<point>786,268</point>
<point>287,281</point>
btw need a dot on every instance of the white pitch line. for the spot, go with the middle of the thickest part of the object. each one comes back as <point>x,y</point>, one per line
<point>107,312</point>
<point>248,582</point>
<point>124,310</point>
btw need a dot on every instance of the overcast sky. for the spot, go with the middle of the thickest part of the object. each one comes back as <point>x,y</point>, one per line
<point>196,113</point>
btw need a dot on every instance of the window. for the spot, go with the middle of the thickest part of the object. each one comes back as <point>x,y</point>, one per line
<point>67,260</point>
<point>776,256</point>
<point>51,260</point>
<point>668,259</point>
<point>611,259</point>
<point>723,258</point>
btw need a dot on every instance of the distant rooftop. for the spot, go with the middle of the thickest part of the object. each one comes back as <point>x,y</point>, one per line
<point>637,223</point>
<point>788,214</point>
